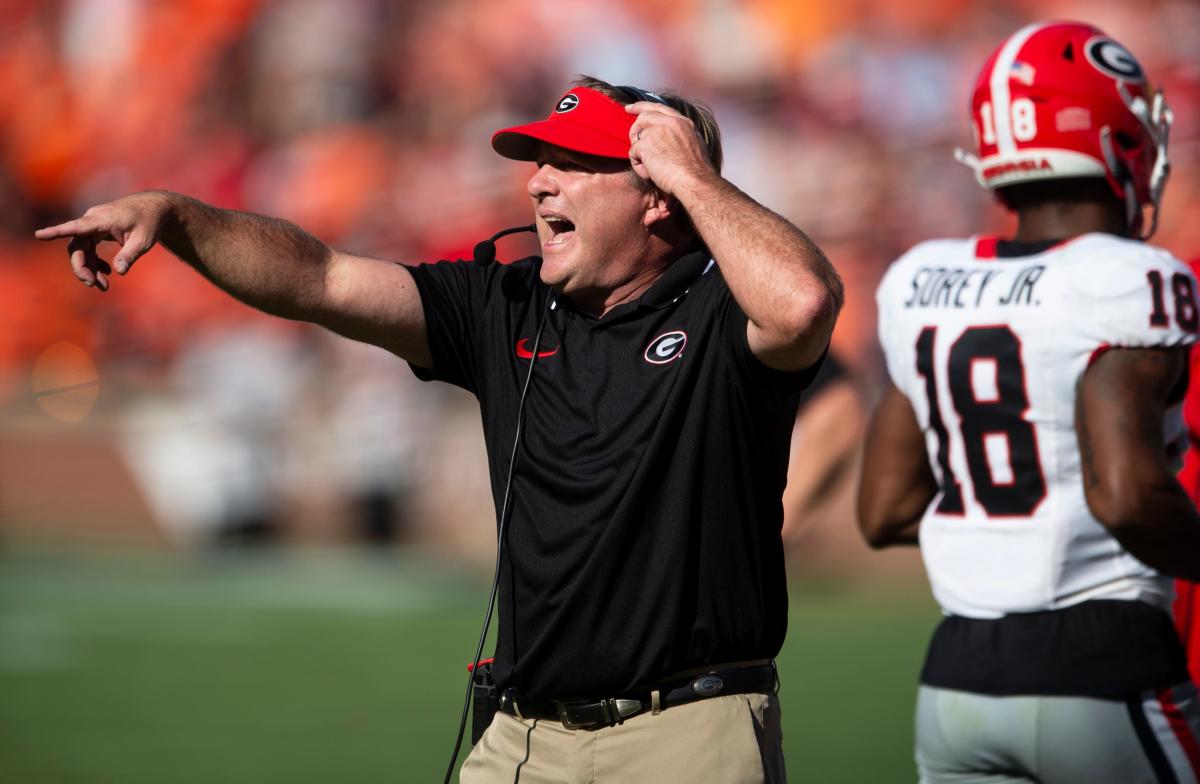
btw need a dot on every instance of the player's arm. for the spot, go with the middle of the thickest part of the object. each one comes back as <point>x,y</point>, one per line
<point>1127,481</point>
<point>267,263</point>
<point>789,291</point>
<point>897,483</point>
<point>829,431</point>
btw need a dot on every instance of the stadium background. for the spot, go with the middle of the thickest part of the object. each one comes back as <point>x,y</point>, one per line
<point>137,425</point>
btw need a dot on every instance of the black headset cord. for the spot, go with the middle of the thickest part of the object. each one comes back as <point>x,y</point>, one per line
<point>504,513</point>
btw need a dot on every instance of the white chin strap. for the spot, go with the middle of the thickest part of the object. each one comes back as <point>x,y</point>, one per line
<point>971,161</point>
<point>966,158</point>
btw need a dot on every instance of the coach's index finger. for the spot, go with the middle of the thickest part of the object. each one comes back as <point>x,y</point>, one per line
<point>71,228</point>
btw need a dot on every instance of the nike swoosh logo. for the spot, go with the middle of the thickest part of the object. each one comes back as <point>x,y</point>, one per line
<point>524,352</point>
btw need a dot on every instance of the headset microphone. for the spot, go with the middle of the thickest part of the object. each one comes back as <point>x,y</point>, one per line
<point>485,252</point>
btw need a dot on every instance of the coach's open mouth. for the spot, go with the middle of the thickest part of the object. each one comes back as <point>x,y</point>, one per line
<point>561,229</point>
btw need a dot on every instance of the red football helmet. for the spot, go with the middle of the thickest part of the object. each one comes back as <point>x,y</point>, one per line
<point>1062,99</point>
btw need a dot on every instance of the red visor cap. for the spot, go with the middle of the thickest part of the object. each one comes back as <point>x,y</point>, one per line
<point>584,121</point>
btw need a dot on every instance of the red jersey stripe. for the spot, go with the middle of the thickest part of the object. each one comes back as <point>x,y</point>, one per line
<point>985,247</point>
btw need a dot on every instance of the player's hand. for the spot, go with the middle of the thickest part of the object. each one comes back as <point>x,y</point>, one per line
<point>133,222</point>
<point>665,147</point>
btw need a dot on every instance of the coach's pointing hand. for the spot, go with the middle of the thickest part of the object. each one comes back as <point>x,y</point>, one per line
<point>133,222</point>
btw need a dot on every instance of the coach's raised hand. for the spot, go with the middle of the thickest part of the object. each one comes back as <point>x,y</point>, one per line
<point>778,276</point>
<point>665,147</point>
<point>133,222</point>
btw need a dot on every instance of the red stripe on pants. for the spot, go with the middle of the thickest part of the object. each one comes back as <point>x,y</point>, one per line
<point>1183,732</point>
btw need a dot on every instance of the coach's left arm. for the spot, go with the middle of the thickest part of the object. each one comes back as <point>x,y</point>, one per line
<point>788,289</point>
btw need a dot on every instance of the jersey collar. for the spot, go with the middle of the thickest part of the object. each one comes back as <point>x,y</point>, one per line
<point>676,280</point>
<point>993,247</point>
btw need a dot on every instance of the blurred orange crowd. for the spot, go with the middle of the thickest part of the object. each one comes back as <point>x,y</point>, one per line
<point>367,122</point>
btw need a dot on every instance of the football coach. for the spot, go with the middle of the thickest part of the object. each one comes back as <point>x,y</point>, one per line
<point>637,382</point>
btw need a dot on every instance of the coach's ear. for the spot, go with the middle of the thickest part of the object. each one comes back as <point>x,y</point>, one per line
<point>660,208</point>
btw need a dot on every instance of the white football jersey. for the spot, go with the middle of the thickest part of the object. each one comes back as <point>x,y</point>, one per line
<point>989,351</point>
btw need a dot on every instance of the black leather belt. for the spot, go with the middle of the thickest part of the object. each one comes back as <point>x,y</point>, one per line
<point>593,714</point>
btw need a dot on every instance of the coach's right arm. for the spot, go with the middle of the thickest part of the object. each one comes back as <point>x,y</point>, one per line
<point>267,263</point>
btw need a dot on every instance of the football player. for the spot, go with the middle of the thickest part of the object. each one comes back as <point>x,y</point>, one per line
<point>1029,434</point>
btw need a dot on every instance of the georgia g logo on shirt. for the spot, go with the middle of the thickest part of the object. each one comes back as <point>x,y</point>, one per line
<point>665,348</point>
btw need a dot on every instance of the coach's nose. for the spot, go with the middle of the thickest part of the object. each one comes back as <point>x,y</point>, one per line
<point>544,182</point>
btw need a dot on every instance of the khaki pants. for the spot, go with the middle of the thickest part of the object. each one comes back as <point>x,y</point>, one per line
<point>731,739</point>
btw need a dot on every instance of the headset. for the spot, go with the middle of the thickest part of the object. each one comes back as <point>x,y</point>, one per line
<point>643,95</point>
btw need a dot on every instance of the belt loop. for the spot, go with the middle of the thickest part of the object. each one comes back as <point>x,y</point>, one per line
<point>655,703</point>
<point>509,697</point>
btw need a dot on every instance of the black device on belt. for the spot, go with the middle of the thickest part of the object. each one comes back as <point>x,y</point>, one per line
<point>594,714</point>
<point>484,699</point>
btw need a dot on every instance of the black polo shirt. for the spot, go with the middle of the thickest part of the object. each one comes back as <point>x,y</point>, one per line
<point>644,536</point>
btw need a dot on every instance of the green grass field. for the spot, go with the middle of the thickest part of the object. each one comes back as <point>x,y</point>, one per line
<point>310,667</point>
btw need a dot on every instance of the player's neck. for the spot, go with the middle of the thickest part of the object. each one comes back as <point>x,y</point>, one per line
<point>1062,220</point>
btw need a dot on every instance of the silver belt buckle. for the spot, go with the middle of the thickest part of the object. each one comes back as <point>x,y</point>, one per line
<point>566,720</point>
<point>614,711</point>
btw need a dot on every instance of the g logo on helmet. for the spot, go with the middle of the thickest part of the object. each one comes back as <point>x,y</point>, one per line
<point>568,102</point>
<point>1110,58</point>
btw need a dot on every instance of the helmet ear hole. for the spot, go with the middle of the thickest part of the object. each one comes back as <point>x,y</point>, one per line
<point>1125,141</point>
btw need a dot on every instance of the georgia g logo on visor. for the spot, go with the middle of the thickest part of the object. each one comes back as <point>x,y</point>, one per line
<point>665,348</point>
<point>568,102</point>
